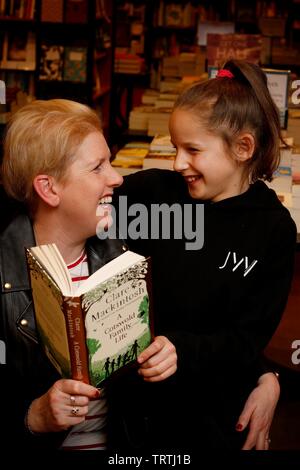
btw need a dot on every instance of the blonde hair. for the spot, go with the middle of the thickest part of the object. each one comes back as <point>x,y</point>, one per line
<point>42,138</point>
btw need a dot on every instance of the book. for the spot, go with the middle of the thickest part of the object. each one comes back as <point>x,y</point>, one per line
<point>76,11</point>
<point>92,332</point>
<point>162,143</point>
<point>75,64</point>
<point>222,47</point>
<point>52,11</point>
<point>163,160</point>
<point>51,62</point>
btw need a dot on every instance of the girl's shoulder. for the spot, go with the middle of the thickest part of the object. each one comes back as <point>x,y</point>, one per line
<point>276,215</point>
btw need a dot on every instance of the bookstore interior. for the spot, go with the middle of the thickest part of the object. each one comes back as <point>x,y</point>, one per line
<point>129,60</point>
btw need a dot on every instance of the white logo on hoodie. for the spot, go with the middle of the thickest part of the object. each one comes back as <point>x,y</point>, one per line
<point>236,264</point>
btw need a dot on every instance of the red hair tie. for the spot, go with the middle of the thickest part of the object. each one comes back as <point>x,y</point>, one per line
<point>224,73</point>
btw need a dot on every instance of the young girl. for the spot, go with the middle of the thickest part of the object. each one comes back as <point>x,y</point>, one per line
<point>220,304</point>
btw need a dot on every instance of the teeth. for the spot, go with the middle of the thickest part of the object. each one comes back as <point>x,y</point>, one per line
<point>191,179</point>
<point>105,200</point>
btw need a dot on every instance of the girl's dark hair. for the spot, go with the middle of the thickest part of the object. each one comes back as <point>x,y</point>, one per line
<point>226,106</point>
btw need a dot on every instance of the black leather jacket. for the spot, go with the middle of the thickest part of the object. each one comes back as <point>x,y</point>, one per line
<point>28,373</point>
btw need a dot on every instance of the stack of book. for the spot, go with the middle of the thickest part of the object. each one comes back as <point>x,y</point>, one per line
<point>128,63</point>
<point>159,121</point>
<point>294,125</point>
<point>282,181</point>
<point>191,63</point>
<point>165,100</point>
<point>149,97</point>
<point>184,63</point>
<point>170,85</point>
<point>161,153</point>
<point>153,117</point>
<point>129,159</point>
<point>139,118</point>
<point>170,66</point>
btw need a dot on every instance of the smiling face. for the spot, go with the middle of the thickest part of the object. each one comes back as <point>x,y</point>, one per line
<point>209,170</point>
<point>86,192</point>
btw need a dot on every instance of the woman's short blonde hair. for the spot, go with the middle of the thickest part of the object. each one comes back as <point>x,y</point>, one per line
<point>42,138</point>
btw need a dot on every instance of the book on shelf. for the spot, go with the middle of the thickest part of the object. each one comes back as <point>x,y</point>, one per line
<point>132,152</point>
<point>76,11</point>
<point>162,143</point>
<point>51,62</point>
<point>52,11</point>
<point>164,160</point>
<point>75,64</point>
<point>222,47</point>
<point>129,159</point>
<point>92,332</point>
<point>127,166</point>
<point>139,118</point>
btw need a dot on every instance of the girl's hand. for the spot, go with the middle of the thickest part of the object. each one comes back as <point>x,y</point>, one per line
<point>65,404</point>
<point>258,412</point>
<point>158,361</point>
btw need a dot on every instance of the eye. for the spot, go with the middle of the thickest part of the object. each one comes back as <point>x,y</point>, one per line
<point>98,167</point>
<point>193,150</point>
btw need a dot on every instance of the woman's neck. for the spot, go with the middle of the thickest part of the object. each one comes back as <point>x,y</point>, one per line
<point>69,249</point>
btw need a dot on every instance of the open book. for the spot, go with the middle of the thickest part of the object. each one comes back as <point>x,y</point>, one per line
<point>91,332</point>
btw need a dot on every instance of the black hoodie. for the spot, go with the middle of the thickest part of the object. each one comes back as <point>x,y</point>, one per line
<point>220,304</point>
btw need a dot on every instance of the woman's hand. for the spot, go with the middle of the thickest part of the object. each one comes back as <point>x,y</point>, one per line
<point>65,404</point>
<point>158,361</point>
<point>258,412</point>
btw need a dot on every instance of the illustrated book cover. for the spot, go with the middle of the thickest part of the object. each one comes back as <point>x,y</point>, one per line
<point>75,64</point>
<point>51,62</point>
<point>92,332</point>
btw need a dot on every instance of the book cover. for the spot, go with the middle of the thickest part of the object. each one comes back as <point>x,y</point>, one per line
<point>52,11</point>
<point>222,47</point>
<point>93,333</point>
<point>76,11</point>
<point>75,64</point>
<point>51,62</point>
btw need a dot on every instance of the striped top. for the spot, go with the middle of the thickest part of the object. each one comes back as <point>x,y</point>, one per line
<point>79,270</point>
<point>90,434</point>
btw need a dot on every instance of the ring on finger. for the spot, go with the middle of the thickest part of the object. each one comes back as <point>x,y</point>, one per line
<point>72,400</point>
<point>75,410</point>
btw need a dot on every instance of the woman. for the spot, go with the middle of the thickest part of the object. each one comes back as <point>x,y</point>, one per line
<point>56,162</point>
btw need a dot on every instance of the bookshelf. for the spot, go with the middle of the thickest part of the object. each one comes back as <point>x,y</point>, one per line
<point>175,42</point>
<point>132,60</point>
<point>63,50</point>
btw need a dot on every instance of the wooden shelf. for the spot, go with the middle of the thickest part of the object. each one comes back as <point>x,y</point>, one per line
<point>99,94</point>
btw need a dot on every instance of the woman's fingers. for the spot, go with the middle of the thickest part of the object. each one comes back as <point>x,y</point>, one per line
<point>76,400</point>
<point>75,387</point>
<point>64,405</point>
